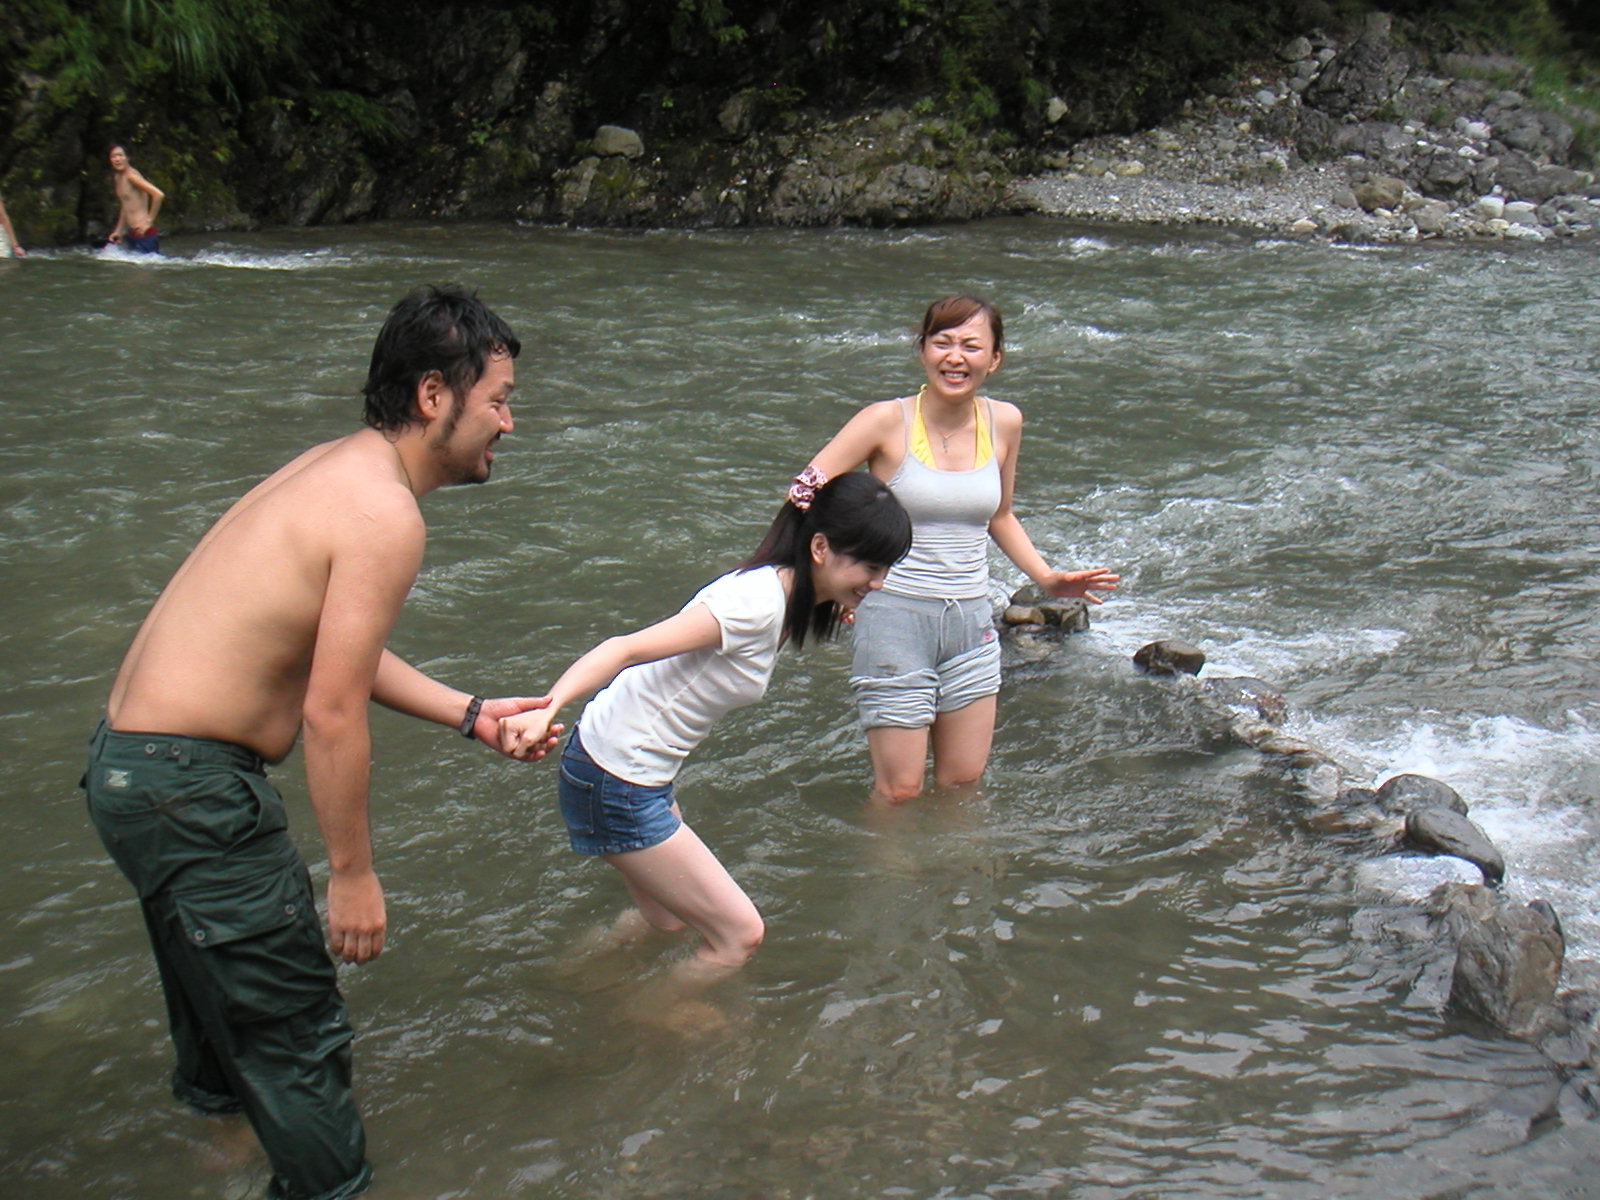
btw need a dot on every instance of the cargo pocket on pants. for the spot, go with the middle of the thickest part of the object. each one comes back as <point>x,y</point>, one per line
<point>259,941</point>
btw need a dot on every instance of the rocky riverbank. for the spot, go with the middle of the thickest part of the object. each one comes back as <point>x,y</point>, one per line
<point>1368,135</point>
<point>1361,142</point>
<point>1359,139</point>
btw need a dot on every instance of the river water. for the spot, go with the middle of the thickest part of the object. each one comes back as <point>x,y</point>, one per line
<point>1130,967</point>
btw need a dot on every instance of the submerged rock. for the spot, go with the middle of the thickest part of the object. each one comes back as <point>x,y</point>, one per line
<point>1251,695</point>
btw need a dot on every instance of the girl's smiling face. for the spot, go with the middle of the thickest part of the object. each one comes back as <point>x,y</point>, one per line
<point>844,580</point>
<point>957,360</point>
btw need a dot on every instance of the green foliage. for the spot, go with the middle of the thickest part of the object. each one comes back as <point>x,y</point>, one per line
<point>1524,27</point>
<point>1554,89</point>
<point>88,47</point>
<point>362,114</point>
<point>710,17</point>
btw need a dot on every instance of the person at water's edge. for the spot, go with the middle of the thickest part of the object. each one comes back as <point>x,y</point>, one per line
<point>9,246</point>
<point>138,202</point>
<point>274,625</point>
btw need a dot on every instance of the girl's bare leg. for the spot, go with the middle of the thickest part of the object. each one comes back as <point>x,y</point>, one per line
<point>679,882</point>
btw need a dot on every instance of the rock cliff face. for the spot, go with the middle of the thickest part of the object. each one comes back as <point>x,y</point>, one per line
<point>700,113</point>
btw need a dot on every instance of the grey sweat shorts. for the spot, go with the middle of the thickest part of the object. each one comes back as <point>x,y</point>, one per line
<point>917,658</point>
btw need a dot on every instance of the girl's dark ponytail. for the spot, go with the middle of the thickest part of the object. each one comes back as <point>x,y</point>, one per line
<point>859,516</point>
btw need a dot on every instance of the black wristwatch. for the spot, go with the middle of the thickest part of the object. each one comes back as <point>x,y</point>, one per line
<point>471,719</point>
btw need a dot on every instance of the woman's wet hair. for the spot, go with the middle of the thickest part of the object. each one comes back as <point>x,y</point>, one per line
<point>860,517</point>
<point>958,310</point>
<point>443,329</point>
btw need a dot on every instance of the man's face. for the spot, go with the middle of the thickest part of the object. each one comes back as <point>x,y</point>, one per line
<point>118,158</point>
<point>466,435</point>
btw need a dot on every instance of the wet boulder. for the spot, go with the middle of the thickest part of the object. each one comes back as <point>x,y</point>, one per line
<point>1441,831</point>
<point>1169,657</point>
<point>1402,794</point>
<point>1033,606</point>
<point>1508,961</point>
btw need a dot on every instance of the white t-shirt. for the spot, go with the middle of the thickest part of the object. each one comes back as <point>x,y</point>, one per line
<point>644,723</point>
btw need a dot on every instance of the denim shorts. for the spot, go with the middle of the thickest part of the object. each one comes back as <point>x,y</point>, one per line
<point>916,658</point>
<point>608,815</point>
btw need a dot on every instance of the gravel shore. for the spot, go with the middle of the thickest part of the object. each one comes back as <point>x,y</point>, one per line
<point>1305,194</point>
<point>1438,157</point>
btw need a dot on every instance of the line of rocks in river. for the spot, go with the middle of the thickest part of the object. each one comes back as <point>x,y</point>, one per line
<point>1363,142</point>
<point>1508,956</point>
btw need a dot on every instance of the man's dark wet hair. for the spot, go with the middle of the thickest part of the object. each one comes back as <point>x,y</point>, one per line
<point>444,329</point>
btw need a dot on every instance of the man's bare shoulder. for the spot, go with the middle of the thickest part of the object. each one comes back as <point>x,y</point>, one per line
<point>340,492</point>
<point>358,477</point>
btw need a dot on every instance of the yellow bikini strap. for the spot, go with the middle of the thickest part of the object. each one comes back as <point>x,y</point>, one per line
<point>922,449</point>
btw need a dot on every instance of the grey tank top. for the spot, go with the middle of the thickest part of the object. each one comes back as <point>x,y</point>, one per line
<point>950,513</point>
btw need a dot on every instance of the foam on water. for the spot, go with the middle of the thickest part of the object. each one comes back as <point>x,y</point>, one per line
<point>1520,781</point>
<point>239,260</point>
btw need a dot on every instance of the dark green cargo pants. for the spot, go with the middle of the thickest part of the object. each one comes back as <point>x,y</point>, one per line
<point>252,996</point>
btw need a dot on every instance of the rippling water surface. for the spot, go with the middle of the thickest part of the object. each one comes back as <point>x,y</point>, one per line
<point>1129,968</point>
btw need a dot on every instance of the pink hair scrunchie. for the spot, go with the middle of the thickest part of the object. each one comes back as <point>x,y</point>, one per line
<point>804,488</point>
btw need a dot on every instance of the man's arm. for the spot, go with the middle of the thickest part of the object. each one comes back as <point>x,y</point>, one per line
<point>405,689</point>
<point>155,194</point>
<point>374,560</point>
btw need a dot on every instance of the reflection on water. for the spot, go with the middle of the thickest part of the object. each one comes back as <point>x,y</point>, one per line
<point>1126,968</point>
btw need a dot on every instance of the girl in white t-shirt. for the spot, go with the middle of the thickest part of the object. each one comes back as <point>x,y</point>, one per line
<point>828,547</point>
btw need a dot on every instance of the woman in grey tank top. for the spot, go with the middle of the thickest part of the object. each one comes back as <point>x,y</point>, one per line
<point>926,669</point>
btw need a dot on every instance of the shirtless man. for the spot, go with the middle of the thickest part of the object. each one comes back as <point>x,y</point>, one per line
<point>138,202</point>
<point>275,625</point>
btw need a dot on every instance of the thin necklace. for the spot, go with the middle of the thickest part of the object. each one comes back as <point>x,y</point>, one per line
<point>944,438</point>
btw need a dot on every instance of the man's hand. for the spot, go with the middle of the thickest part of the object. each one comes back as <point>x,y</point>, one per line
<point>356,918</point>
<point>529,735</point>
<point>1064,584</point>
<point>487,728</point>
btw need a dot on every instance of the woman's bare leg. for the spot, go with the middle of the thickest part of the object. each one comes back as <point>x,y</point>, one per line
<point>962,740</point>
<point>899,761</point>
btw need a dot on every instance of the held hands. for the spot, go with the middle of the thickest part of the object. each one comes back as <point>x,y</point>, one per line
<point>356,917</point>
<point>487,727</point>
<point>1064,584</point>
<point>529,735</point>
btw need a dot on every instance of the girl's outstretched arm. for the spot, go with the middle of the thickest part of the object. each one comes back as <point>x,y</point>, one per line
<point>527,735</point>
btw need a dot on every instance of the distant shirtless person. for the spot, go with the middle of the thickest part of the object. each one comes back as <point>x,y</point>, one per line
<point>8,236</point>
<point>275,625</point>
<point>138,202</point>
